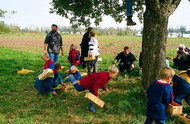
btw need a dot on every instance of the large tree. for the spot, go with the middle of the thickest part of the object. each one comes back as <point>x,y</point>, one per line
<point>155,18</point>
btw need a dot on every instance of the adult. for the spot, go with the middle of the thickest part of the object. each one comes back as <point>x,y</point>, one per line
<point>53,44</point>
<point>182,60</point>
<point>129,7</point>
<point>127,60</point>
<point>84,46</point>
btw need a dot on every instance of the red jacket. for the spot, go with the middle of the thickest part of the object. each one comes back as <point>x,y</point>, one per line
<point>73,54</point>
<point>49,64</point>
<point>94,81</point>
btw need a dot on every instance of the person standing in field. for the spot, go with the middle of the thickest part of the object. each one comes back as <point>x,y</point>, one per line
<point>53,44</point>
<point>84,46</point>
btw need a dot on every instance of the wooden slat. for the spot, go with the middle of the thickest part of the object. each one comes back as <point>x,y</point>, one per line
<point>95,99</point>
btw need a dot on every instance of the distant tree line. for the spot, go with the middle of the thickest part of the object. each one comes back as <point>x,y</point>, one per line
<point>179,31</point>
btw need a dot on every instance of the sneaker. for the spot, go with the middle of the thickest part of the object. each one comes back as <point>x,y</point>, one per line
<point>92,109</point>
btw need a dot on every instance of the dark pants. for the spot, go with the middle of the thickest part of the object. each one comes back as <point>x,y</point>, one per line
<point>84,53</point>
<point>181,64</point>
<point>157,121</point>
<point>123,66</point>
<point>178,99</point>
<point>48,84</point>
<point>93,64</point>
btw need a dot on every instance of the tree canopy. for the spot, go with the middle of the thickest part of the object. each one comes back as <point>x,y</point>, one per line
<point>81,12</point>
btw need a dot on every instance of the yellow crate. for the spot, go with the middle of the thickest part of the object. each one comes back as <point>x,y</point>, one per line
<point>95,99</point>
<point>89,58</point>
<point>46,73</point>
<point>174,108</point>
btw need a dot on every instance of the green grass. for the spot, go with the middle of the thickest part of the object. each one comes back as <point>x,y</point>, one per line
<point>21,103</point>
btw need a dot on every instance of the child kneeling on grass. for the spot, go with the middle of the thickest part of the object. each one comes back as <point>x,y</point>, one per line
<point>45,86</point>
<point>159,96</point>
<point>93,82</point>
<point>74,73</point>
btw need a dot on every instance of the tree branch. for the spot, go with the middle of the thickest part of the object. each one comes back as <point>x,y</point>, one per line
<point>153,5</point>
<point>173,6</point>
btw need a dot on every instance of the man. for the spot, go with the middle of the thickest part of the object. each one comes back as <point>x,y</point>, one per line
<point>54,42</point>
<point>84,46</point>
<point>127,60</point>
<point>182,61</point>
<point>129,7</point>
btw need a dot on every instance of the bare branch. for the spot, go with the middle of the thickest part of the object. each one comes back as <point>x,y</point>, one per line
<point>173,6</point>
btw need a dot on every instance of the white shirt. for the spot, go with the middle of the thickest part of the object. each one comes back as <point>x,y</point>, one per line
<point>93,47</point>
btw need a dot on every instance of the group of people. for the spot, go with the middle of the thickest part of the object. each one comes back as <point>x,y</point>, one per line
<point>160,92</point>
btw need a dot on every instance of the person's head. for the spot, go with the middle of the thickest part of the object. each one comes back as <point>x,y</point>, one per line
<point>92,34</point>
<point>188,72</point>
<point>45,56</point>
<point>90,29</point>
<point>126,50</point>
<point>166,74</point>
<point>54,28</point>
<point>113,71</point>
<point>73,46</point>
<point>57,67</point>
<point>73,69</point>
<point>181,47</point>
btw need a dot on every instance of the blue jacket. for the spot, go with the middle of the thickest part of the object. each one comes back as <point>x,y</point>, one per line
<point>159,96</point>
<point>76,75</point>
<point>57,77</point>
<point>180,86</point>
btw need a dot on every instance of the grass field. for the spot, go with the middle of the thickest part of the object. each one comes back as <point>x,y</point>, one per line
<point>20,103</point>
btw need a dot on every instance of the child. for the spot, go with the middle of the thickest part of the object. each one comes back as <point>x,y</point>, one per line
<point>181,89</point>
<point>57,76</point>
<point>74,56</point>
<point>185,75</point>
<point>94,81</point>
<point>93,51</point>
<point>75,73</point>
<point>159,96</point>
<point>46,86</point>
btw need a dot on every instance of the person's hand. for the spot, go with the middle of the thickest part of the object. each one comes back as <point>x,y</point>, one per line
<point>132,65</point>
<point>63,84</point>
<point>89,54</point>
<point>179,55</point>
<point>106,90</point>
<point>54,93</point>
<point>62,53</point>
<point>113,65</point>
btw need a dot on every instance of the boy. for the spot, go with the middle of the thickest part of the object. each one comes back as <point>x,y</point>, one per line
<point>94,81</point>
<point>57,76</point>
<point>75,73</point>
<point>46,85</point>
<point>181,90</point>
<point>159,96</point>
<point>93,51</point>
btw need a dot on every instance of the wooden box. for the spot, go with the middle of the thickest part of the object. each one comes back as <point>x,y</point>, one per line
<point>95,99</point>
<point>65,88</point>
<point>89,58</point>
<point>184,118</point>
<point>174,108</point>
<point>46,73</point>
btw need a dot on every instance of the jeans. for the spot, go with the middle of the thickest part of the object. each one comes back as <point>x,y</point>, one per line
<point>157,121</point>
<point>48,84</point>
<point>129,7</point>
<point>54,57</point>
<point>91,64</point>
<point>179,98</point>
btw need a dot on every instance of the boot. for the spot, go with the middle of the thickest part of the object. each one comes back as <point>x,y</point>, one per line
<point>130,21</point>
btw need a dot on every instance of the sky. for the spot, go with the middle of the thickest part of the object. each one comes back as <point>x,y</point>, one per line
<point>35,13</point>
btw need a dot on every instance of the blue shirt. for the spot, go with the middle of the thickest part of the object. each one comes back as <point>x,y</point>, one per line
<point>159,96</point>
<point>76,75</point>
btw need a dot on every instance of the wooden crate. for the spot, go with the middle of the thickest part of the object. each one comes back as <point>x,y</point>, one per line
<point>174,108</point>
<point>46,73</point>
<point>95,99</point>
<point>83,74</point>
<point>65,88</point>
<point>184,118</point>
<point>89,58</point>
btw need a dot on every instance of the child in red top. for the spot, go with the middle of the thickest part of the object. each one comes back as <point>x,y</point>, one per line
<point>74,56</point>
<point>94,81</point>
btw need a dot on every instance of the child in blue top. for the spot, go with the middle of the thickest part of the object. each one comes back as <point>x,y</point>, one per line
<point>181,89</point>
<point>57,76</point>
<point>159,96</point>
<point>75,73</point>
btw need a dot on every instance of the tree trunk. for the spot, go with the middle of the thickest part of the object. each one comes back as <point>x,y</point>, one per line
<point>153,45</point>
